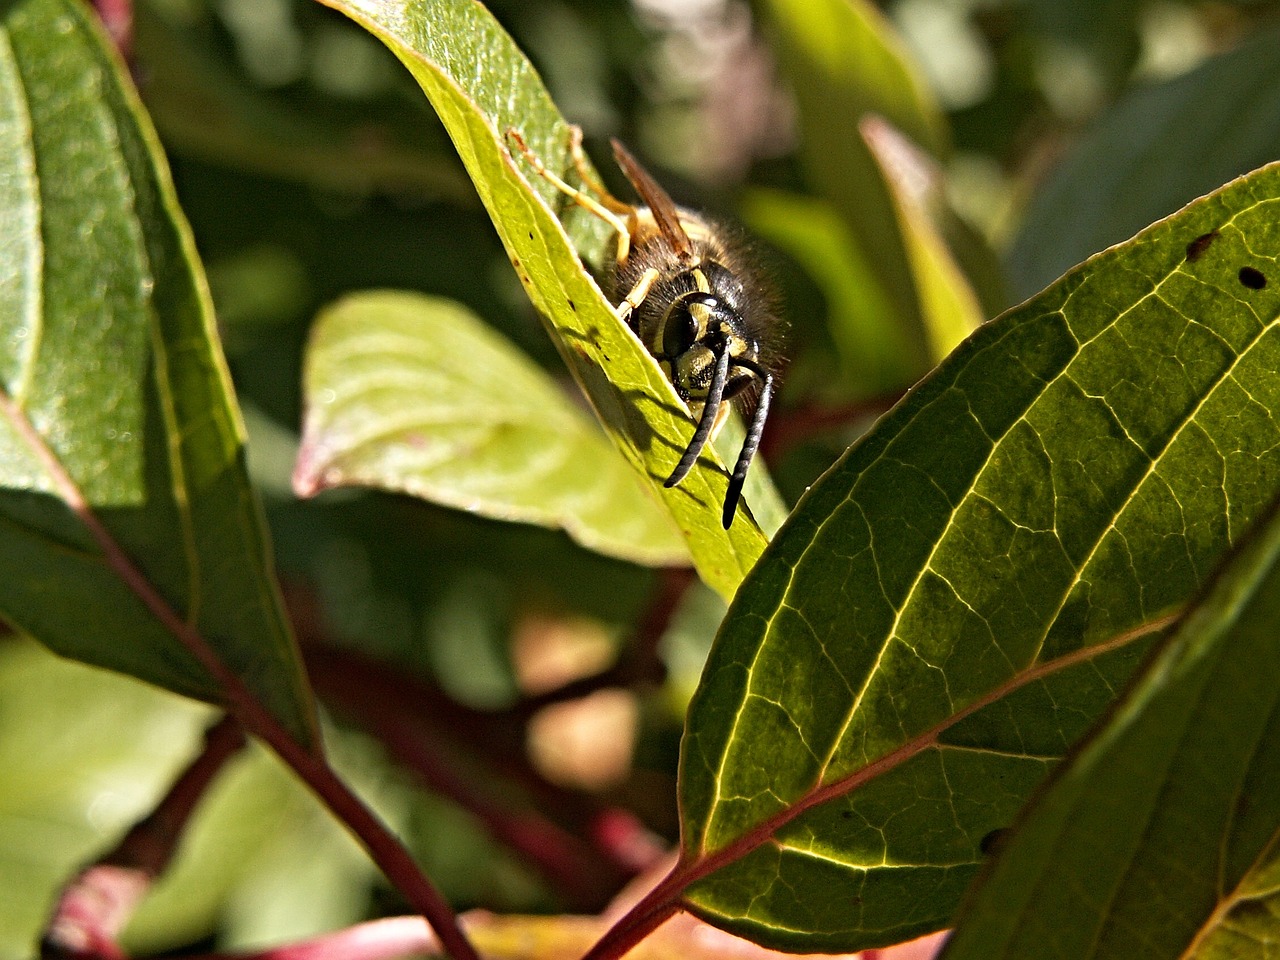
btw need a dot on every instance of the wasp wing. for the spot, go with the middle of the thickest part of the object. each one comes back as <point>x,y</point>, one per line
<point>663,208</point>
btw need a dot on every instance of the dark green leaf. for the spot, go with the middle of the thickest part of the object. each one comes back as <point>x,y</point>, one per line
<point>117,427</point>
<point>416,394</point>
<point>482,86</point>
<point>203,107</point>
<point>1178,794</point>
<point>1157,149</point>
<point>951,605</point>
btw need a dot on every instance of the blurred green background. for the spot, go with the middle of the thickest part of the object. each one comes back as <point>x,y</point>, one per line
<point>310,165</point>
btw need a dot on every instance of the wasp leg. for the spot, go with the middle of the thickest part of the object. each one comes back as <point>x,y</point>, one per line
<point>710,411</point>
<point>581,197</point>
<point>589,178</point>
<point>749,445</point>
<point>631,302</point>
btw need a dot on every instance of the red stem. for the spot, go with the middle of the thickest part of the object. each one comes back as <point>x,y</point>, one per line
<point>666,898</point>
<point>562,857</point>
<point>309,764</point>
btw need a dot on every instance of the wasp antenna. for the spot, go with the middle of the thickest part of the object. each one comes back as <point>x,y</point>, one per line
<point>709,409</point>
<point>749,447</point>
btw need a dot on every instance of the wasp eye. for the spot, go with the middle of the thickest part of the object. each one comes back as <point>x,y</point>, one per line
<point>681,330</point>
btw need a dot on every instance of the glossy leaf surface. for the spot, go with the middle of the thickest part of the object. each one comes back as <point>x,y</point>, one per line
<point>482,86</point>
<point>416,394</point>
<point>1159,839</point>
<point>952,603</point>
<point>127,513</point>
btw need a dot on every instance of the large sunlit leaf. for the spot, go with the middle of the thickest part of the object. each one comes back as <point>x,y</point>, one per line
<point>952,603</point>
<point>416,394</point>
<point>125,510</point>
<point>1179,793</point>
<point>1158,148</point>
<point>482,86</point>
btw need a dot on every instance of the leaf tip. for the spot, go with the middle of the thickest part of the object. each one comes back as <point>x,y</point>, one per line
<point>310,475</point>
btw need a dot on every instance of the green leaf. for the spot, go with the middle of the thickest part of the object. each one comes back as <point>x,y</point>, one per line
<point>949,607</point>
<point>482,86</point>
<point>127,516</point>
<point>871,349</point>
<point>85,753</point>
<point>844,62</point>
<point>1178,793</point>
<point>416,394</point>
<point>949,309</point>
<point>1158,148</point>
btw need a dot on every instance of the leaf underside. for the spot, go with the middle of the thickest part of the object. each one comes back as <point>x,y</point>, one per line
<point>413,393</point>
<point>968,587</point>
<point>117,427</point>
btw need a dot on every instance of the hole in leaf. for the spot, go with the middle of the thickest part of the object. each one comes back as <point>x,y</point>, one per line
<point>993,840</point>
<point>1251,278</point>
<point>1197,247</point>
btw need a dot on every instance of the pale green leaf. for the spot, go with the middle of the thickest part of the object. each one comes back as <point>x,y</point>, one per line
<point>844,62</point>
<point>949,309</point>
<point>871,348</point>
<point>416,394</point>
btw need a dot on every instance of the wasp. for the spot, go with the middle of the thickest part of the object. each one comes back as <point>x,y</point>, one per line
<point>694,294</point>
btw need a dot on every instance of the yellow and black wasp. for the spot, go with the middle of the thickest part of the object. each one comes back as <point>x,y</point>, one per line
<point>694,295</point>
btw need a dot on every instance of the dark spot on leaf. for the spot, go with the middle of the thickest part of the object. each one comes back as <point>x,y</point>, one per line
<point>1197,247</point>
<point>855,900</point>
<point>846,814</point>
<point>515,262</point>
<point>1251,278</point>
<point>530,234</point>
<point>993,840</point>
<point>572,306</point>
